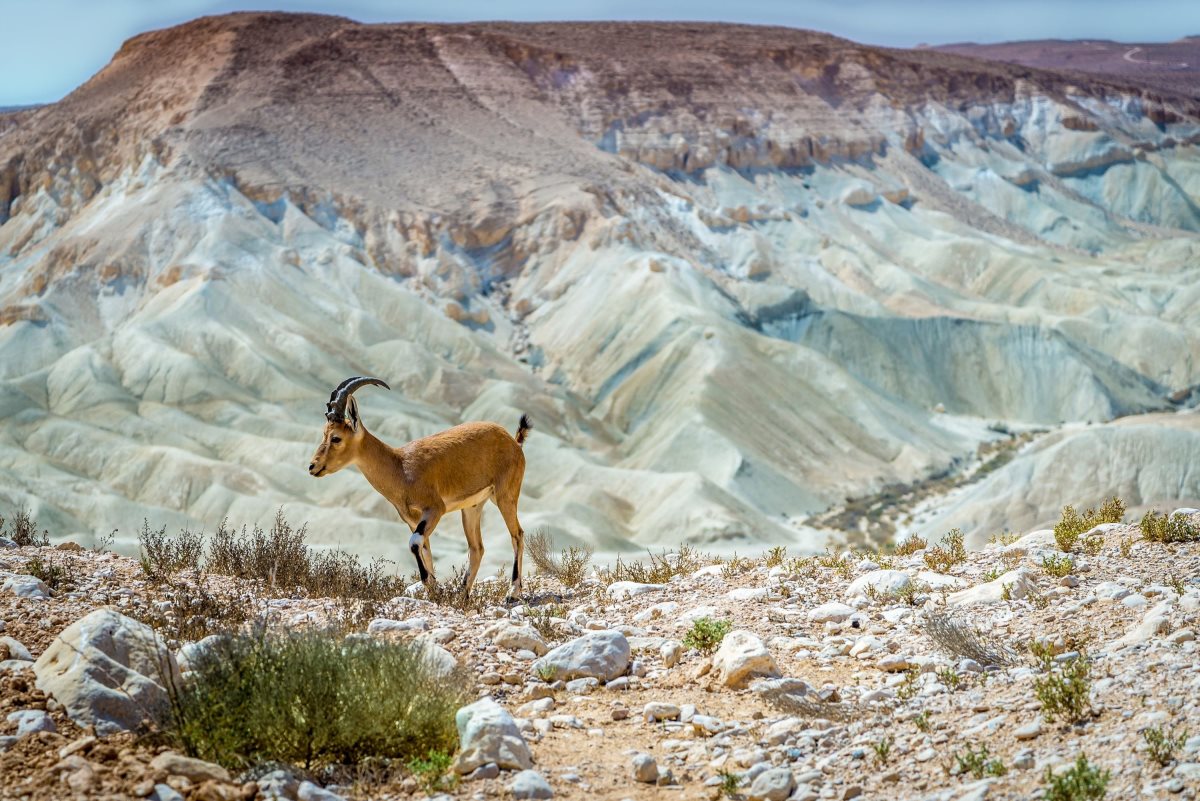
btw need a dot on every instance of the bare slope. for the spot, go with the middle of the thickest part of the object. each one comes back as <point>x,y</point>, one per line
<point>731,271</point>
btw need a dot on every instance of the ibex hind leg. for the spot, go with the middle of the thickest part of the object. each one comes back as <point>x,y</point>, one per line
<point>508,508</point>
<point>471,519</point>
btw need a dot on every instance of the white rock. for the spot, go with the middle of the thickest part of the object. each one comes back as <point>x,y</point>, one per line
<point>516,638</point>
<point>833,611</point>
<point>938,581</point>
<point>741,657</point>
<point>307,791</point>
<point>195,770</point>
<point>775,784</point>
<point>656,711</point>
<point>1181,636</point>
<point>664,609</point>
<point>16,650</point>
<point>706,724</point>
<point>530,784</point>
<point>630,589</point>
<point>1135,601</point>
<point>884,582</point>
<point>440,661</point>
<point>747,594</point>
<point>1042,539</point>
<point>645,769</point>
<point>892,663</point>
<point>1112,591</point>
<point>1030,730</point>
<point>670,651</point>
<point>25,587</point>
<point>31,720</point>
<point>488,733</point>
<point>382,625</point>
<point>1019,583</point>
<point>602,655</point>
<point>190,654</point>
<point>1155,622</point>
<point>692,615</point>
<point>106,670</point>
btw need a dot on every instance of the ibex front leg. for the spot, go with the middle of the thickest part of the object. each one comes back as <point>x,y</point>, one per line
<point>418,543</point>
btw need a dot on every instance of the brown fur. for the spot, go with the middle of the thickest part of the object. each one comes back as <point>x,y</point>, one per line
<point>457,469</point>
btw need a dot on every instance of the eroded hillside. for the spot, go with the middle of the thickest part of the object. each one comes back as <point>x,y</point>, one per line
<point>735,274</point>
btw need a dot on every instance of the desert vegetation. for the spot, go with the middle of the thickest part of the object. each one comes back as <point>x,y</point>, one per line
<point>300,665</point>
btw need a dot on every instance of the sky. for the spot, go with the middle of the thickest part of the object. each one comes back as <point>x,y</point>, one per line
<point>52,46</point>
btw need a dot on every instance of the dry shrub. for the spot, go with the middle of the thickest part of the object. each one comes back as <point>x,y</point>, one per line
<point>660,568</point>
<point>570,567</point>
<point>910,545</point>
<point>484,595</point>
<point>23,531</point>
<point>285,565</point>
<point>195,612</point>
<point>161,556</point>
<point>960,639</point>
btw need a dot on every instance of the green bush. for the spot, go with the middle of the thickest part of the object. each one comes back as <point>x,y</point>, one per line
<point>949,552</point>
<point>1083,782</point>
<point>1161,745</point>
<point>314,701</point>
<point>1073,525</point>
<point>978,762</point>
<point>1064,690</point>
<point>706,634</point>
<point>1057,566</point>
<point>1176,528</point>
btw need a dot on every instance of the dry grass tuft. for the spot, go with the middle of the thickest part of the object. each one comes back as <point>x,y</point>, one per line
<point>960,639</point>
<point>570,567</point>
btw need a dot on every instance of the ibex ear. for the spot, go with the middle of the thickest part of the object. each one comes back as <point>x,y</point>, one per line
<point>352,413</point>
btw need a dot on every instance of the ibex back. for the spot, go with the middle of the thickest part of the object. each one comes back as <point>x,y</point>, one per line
<point>460,468</point>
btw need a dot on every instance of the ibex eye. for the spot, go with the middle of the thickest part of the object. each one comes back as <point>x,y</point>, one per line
<point>335,440</point>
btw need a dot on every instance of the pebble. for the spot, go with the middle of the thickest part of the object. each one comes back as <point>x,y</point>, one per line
<point>645,769</point>
<point>656,711</point>
<point>530,784</point>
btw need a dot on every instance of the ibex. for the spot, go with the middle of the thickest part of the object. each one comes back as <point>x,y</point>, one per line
<point>459,468</point>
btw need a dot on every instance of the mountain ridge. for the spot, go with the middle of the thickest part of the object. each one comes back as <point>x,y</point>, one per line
<point>718,264</point>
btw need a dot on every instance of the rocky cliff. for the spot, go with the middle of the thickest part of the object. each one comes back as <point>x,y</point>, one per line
<point>736,274</point>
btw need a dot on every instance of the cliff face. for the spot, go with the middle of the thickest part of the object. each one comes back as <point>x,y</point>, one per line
<point>729,270</point>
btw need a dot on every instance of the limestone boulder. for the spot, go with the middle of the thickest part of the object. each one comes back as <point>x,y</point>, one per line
<point>108,671</point>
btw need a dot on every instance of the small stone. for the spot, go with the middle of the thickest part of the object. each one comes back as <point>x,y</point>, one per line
<point>489,771</point>
<point>853,791</point>
<point>530,784</point>
<point>195,770</point>
<point>620,713</point>
<point>488,733</point>
<point>655,711</point>
<point>832,611</point>
<point>313,792</point>
<point>645,769</point>
<point>1030,730</point>
<point>774,784</point>
<point>30,721</point>
<point>582,686</point>
<point>742,657</point>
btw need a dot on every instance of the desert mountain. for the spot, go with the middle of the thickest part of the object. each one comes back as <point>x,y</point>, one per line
<point>736,275</point>
<point>1171,66</point>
